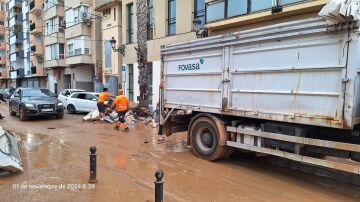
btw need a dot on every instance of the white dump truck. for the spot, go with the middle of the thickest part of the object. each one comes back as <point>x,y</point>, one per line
<point>290,90</point>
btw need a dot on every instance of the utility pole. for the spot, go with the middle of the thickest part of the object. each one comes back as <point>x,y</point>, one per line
<point>141,49</point>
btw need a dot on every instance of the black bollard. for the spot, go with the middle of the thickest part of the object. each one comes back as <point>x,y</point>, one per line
<point>92,155</point>
<point>159,185</point>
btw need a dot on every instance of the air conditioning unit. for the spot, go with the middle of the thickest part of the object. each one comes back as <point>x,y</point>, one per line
<point>85,16</point>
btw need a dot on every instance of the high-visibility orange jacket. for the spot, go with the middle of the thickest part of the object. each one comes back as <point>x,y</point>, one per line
<point>121,102</point>
<point>103,96</point>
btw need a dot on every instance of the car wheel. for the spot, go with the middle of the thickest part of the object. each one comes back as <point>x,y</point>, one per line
<point>71,109</point>
<point>22,114</point>
<point>12,113</point>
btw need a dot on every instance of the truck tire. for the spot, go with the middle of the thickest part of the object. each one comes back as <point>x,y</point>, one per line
<point>206,140</point>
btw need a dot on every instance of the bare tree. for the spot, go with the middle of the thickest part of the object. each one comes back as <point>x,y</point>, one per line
<point>141,49</point>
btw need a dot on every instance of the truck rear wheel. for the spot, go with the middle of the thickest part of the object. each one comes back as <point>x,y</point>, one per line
<point>206,139</point>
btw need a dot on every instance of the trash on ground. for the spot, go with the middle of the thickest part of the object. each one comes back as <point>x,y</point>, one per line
<point>108,119</point>
<point>51,128</point>
<point>9,153</point>
<point>92,116</point>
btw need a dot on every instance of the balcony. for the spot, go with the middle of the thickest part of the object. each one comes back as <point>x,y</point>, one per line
<point>80,29</point>
<point>17,56</point>
<point>36,28</point>
<point>2,45</point>
<point>54,38</point>
<point>35,7</point>
<point>100,4</point>
<point>14,4</point>
<point>17,19</point>
<point>56,10</point>
<point>2,14</point>
<point>56,61</point>
<point>19,73</point>
<point>17,38</point>
<point>37,50</point>
<point>3,60</point>
<point>72,3</point>
<point>79,59</point>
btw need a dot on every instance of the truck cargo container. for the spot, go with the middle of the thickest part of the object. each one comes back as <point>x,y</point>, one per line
<point>290,90</point>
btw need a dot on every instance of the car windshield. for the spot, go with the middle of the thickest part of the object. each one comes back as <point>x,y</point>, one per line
<point>37,93</point>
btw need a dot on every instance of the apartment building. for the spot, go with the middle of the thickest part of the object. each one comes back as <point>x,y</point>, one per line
<point>25,43</point>
<point>169,21</point>
<point>4,74</point>
<point>111,26</point>
<point>59,73</point>
<point>83,43</point>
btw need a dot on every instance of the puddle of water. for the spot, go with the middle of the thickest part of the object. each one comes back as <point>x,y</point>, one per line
<point>181,147</point>
<point>30,141</point>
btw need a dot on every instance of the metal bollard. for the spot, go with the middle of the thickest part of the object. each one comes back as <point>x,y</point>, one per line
<point>92,155</point>
<point>159,185</point>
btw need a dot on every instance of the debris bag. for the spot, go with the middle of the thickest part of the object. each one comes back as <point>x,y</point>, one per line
<point>113,115</point>
<point>92,116</point>
<point>108,119</point>
<point>9,153</point>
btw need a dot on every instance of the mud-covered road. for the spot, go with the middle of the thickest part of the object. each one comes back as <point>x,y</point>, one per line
<point>56,152</point>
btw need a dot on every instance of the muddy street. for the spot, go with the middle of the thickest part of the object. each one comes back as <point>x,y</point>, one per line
<point>56,152</point>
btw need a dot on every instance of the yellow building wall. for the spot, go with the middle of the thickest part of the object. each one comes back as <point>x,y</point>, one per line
<point>184,13</point>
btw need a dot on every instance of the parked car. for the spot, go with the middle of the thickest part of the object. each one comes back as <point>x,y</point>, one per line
<point>81,102</point>
<point>31,102</point>
<point>66,93</point>
<point>8,92</point>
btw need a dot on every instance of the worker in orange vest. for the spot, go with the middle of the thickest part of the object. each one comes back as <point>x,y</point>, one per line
<point>100,104</point>
<point>121,104</point>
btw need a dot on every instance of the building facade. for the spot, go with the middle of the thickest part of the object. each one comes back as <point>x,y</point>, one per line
<point>25,44</point>
<point>83,43</point>
<point>59,75</point>
<point>109,73</point>
<point>4,74</point>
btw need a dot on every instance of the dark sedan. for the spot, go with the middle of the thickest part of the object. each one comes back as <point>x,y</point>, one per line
<point>31,102</point>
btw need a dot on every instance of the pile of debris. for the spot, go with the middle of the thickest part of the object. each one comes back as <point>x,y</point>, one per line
<point>149,116</point>
<point>10,161</point>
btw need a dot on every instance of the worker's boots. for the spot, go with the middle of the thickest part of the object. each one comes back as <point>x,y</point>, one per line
<point>123,126</point>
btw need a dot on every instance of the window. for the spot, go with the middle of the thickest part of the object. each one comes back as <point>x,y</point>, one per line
<point>284,2</point>
<point>55,51</point>
<point>237,7</point>
<point>258,5</point>
<point>131,82</point>
<point>107,12</point>
<point>215,11</point>
<point>78,12</point>
<point>108,53</point>
<point>54,25</point>
<point>223,9</point>
<point>2,23</point>
<point>171,17</point>
<point>90,97</point>
<point>70,49</point>
<point>150,25</point>
<point>79,46</point>
<point>130,10</point>
<point>114,14</point>
<point>199,11</point>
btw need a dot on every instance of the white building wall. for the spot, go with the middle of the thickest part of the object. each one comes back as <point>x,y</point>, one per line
<point>51,81</point>
<point>156,81</point>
